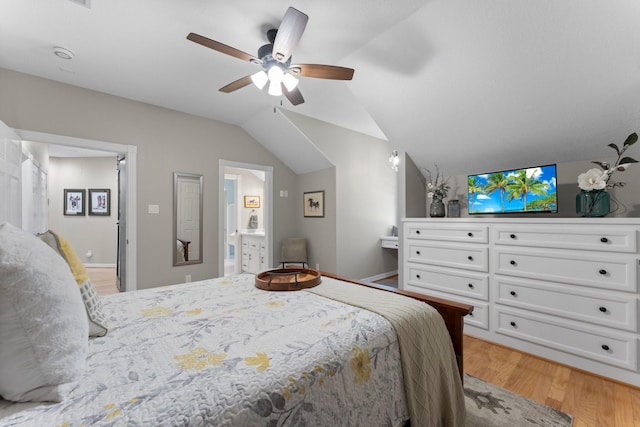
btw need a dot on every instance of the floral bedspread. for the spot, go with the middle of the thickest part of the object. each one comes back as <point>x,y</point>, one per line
<point>221,352</point>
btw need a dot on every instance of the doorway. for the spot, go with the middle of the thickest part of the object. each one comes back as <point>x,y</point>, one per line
<point>239,217</point>
<point>127,246</point>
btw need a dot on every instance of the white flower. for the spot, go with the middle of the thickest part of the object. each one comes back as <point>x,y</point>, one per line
<point>593,179</point>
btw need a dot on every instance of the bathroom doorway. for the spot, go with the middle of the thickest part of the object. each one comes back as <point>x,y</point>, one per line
<point>245,211</point>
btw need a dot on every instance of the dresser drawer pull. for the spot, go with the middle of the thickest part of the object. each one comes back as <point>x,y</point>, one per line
<point>603,309</point>
<point>470,285</point>
<point>470,234</point>
<point>513,293</point>
<point>417,231</point>
<point>605,347</point>
<point>513,324</point>
<point>513,236</point>
<point>471,314</point>
<point>512,262</point>
<point>470,258</point>
<point>417,252</point>
<point>603,272</point>
<point>604,240</point>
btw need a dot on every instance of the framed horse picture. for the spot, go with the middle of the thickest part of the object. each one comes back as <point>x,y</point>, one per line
<point>313,204</point>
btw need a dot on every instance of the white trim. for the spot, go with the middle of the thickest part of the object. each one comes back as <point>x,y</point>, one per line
<point>130,151</point>
<point>99,265</point>
<point>268,212</point>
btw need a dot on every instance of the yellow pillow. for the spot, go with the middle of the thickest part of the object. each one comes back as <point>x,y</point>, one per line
<point>76,266</point>
<point>90,298</point>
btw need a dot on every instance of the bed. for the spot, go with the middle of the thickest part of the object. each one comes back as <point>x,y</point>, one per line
<point>222,352</point>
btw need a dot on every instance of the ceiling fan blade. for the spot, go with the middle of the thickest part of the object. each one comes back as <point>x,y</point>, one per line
<point>294,96</point>
<point>322,71</point>
<point>289,34</point>
<point>223,48</point>
<point>235,85</point>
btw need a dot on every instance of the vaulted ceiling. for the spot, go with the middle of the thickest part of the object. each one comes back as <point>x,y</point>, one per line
<point>474,85</point>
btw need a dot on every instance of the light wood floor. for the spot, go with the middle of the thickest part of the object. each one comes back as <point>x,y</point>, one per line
<point>103,279</point>
<point>593,401</point>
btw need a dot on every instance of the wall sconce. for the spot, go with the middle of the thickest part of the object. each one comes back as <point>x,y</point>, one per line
<point>394,159</point>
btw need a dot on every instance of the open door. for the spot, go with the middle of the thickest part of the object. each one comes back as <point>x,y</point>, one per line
<point>121,258</point>
<point>10,176</point>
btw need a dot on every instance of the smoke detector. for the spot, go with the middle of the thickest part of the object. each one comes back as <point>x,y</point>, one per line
<point>63,53</point>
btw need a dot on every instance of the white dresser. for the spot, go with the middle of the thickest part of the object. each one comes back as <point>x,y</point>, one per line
<point>254,253</point>
<point>563,289</point>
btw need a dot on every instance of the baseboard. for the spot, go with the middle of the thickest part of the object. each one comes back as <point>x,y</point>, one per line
<point>379,276</point>
<point>98,265</point>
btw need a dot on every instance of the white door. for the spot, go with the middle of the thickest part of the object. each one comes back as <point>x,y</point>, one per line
<point>10,176</point>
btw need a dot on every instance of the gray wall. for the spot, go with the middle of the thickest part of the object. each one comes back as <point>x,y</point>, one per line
<point>320,232</point>
<point>98,234</point>
<point>416,198</point>
<point>167,141</point>
<point>366,196</point>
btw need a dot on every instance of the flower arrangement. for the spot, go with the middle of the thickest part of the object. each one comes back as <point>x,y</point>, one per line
<point>438,185</point>
<point>598,179</point>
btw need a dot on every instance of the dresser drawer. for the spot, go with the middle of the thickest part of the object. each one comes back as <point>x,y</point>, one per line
<point>473,285</point>
<point>613,348</point>
<point>478,318</point>
<point>617,272</point>
<point>447,232</point>
<point>601,308</point>
<point>592,238</point>
<point>469,257</point>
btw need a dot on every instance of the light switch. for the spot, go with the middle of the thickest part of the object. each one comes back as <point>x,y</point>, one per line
<point>154,209</point>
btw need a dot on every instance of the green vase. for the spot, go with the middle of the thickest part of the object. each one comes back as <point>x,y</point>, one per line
<point>594,203</point>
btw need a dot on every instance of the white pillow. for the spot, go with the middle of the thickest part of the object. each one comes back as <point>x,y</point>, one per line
<point>43,324</point>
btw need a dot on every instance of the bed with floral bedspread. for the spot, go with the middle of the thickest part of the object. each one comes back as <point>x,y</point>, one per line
<point>221,352</point>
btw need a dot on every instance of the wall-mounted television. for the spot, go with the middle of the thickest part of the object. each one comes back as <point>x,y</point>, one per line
<point>527,190</point>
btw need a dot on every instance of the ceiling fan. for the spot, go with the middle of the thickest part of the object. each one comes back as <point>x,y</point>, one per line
<point>275,59</point>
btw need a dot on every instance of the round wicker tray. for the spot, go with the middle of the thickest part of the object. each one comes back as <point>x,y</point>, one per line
<point>288,279</point>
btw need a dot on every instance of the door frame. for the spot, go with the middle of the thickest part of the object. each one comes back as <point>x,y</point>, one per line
<point>268,211</point>
<point>130,151</point>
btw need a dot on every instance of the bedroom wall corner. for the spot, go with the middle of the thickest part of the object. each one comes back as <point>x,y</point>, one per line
<point>366,195</point>
<point>320,232</point>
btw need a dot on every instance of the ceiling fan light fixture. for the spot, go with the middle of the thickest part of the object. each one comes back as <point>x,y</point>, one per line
<point>275,89</point>
<point>289,82</point>
<point>260,79</point>
<point>275,74</point>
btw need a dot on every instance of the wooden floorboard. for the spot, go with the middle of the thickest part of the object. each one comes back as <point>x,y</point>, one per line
<point>592,400</point>
<point>103,279</point>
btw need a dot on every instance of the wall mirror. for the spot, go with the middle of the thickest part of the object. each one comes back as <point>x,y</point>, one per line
<point>187,218</point>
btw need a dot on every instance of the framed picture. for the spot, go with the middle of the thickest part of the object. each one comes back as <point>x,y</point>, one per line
<point>74,202</point>
<point>251,201</point>
<point>100,202</point>
<point>313,204</point>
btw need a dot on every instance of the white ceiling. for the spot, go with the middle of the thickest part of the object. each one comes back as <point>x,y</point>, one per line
<point>474,85</point>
